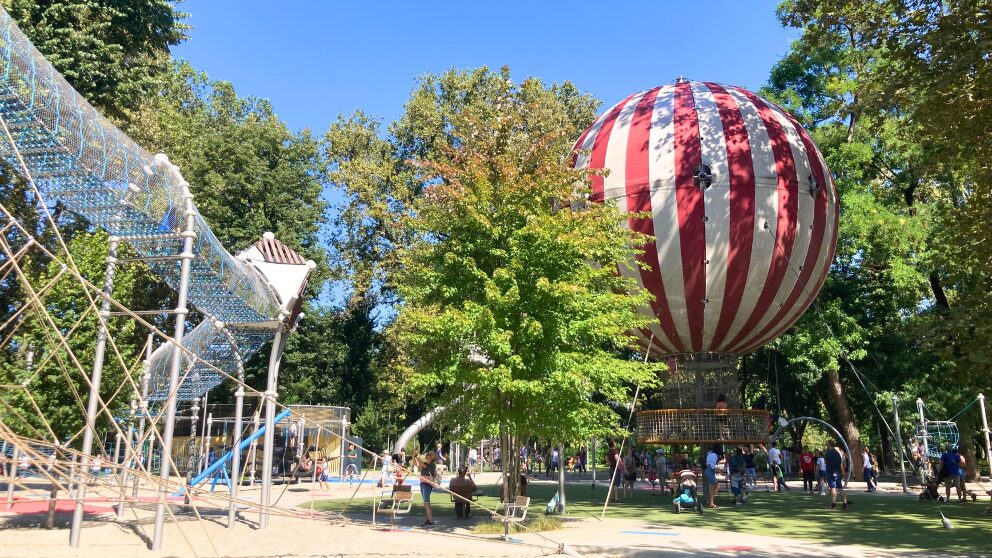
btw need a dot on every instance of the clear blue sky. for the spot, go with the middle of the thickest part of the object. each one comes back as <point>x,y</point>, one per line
<point>316,59</point>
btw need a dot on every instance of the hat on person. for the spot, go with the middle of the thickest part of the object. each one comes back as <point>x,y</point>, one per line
<point>462,469</point>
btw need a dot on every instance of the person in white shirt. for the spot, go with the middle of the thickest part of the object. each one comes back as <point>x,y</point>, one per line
<point>712,486</point>
<point>821,472</point>
<point>869,472</point>
<point>473,456</point>
<point>774,458</point>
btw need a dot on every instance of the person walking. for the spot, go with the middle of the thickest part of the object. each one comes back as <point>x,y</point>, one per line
<point>473,457</point>
<point>428,480</point>
<point>712,486</point>
<point>750,470</point>
<point>836,469</point>
<point>322,474</point>
<point>629,474</point>
<point>950,470</point>
<point>821,473</point>
<point>807,464</point>
<point>737,486</point>
<point>962,477</point>
<point>869,471</point>
<point>613,461</point>
<point>351,464</point>
<point>774,458</point>
<point>386,474</point>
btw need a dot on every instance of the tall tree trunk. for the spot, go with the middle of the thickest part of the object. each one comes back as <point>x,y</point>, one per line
<point>970,458</point>
<point>938,290</point>
<point>845,420</point>
<point>889,453</point>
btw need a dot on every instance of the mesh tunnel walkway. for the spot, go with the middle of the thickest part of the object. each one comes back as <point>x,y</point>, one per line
<point>79,158</point>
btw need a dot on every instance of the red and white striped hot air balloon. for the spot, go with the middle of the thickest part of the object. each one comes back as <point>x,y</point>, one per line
<point>744,211</point>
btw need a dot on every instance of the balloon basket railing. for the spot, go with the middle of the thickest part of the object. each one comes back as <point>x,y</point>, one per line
<point>703,426</point>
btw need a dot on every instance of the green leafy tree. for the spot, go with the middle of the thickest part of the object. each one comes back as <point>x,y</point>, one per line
<point>55,376</point>
<point>892,89</point>
<point>512,313</point>
<point>113,52</point>
<point>248,172</point>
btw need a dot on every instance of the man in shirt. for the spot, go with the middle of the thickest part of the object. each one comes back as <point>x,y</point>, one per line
<point>463,489</point>
<point>775,454</point>
<point>612,459</point>
<point>836,468</point>
<point>950,470</point>
<point>807,463</point>
<point>473,456</point>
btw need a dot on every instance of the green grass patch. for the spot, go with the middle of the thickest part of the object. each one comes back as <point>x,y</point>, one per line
<point>887,522</point>
<point>539,522</point>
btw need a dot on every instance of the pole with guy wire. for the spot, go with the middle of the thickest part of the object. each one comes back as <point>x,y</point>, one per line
<point>985,433</point>
<point>926,443</point>
<point>94,397</point>
<point>902,451</point>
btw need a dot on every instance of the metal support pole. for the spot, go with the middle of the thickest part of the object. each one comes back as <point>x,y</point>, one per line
<point>592,461</point>
<point>341,451</point>
<point>985,433</point>
<point>12,477</point>
<point>902,451</point>
<point>253,450</point>
<point>146,379</point>
<point>194,426</point>
<point>117,446</point>
<point>270,415</point>
<point>128,456</point>
<point>561,477</point>
<point>189,234</point>
<point>239,398</point>
<point>92,406</point>
<point>205,447</point>
<point>204,441</point>
<point>925,466</point>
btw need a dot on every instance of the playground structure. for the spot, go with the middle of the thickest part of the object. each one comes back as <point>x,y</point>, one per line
<point>71,159</point>
<point>936,436</point>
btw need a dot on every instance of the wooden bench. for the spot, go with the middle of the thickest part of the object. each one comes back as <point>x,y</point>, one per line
<point>398,502</point>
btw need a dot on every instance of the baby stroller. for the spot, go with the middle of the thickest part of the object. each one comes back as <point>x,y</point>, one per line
<point>931,492</point>
<point>687,498</point>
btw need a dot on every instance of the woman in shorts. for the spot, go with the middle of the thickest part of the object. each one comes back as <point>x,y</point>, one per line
<point>428,474</point>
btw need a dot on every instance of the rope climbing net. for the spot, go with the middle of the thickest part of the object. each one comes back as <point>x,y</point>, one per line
<point>939,435</point>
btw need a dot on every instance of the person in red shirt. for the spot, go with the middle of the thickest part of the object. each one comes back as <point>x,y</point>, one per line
<point>807,464</point>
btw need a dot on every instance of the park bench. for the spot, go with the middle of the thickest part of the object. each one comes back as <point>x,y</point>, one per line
<point>398,502</point>
<point>513,512</point>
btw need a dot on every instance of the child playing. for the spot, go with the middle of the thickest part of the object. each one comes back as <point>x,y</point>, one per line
<point>779,476</point>
<point>322,475</point>
<point>653,478</point>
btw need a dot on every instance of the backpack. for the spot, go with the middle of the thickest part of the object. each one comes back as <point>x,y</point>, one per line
<point>554,506</point>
